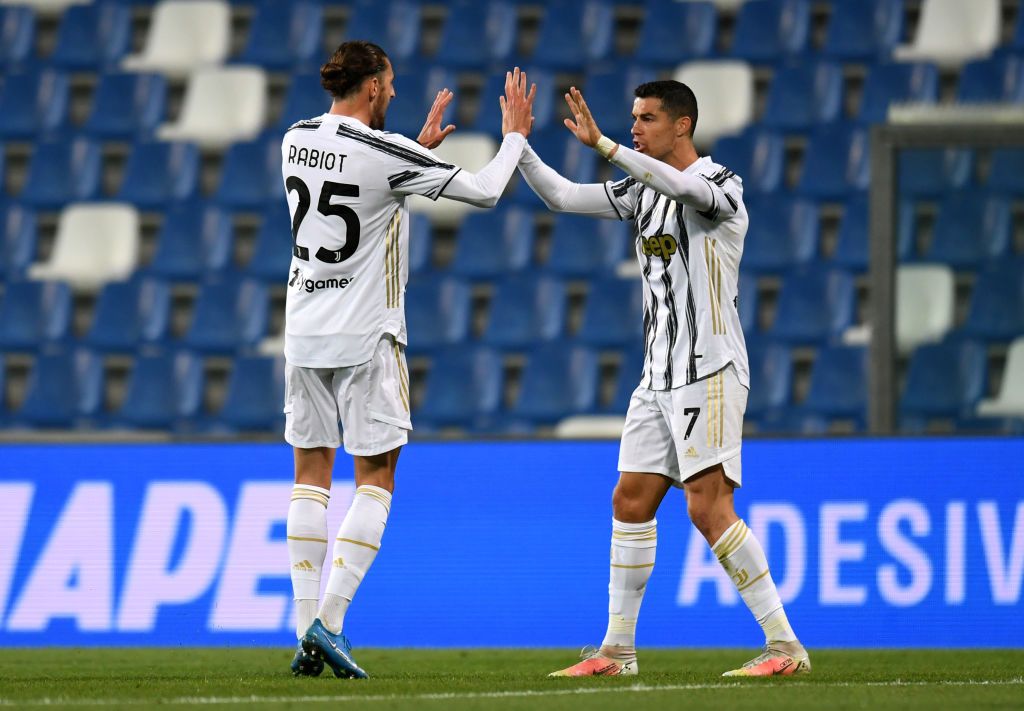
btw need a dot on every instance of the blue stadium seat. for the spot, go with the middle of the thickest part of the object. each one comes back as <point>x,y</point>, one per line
<point>771,378</point>
<point>415,91</point>
<point>771,30</point>
<point>64,389</point>
<point>229,316</point>
<point>992,80</point>
<point>127,106</point>
<point>394,26</point>
<point>971,230</point>
<point>195,241</point>
<point>130,315</point>
<point>757,156</point>
<point>613,316</point>
<point>674,32</point>
<point>838,387</point>
<point>17,240</point>
<point>573,34</point>
<point>255,395</point>
<point>272,250</point>
<point>851,250</point>
<point>437,312</point>
<point>783,234</point>
<point>62,171</point>
<point>792,421</point>
<point>894,83</point>
<point>284,35</point>
<point>493,243</point>
<point>251,176</point>
<point>463,387</point>
<point>584,247</point>
<point>815,306</point>
<point>863,31</point>
<point>304,99</point>
<point>945,380</point>
<point>559,149</point>
<point>928,173</point>
<point>33,103</point>
<point>164,391</point>
<point>804,96</point>
<point>747,302</point>
<point>17,35</point>
<point>627,378</point>
<point>157,175</point>
<point>477,35</point>
<point>1017,42</point>
<point>991,425</point>
<point>526,309</point>
<point>836,162</point>
<point>1006,174</point>
<point>34,314</point>
<point>609,90</point>
<point>488,116</point>
<point>996,311</point>
<point>93,37</point>
<point>420,244</point>
<point>559,380</point>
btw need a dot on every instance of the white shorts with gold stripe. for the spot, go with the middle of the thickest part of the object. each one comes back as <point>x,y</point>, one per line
<point>370,401</point>
<point>681,432</point>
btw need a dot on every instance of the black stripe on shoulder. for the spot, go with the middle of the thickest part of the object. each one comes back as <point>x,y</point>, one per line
<point>307,125</point>
<point>712,212</point>
<point>401,178</point>
<point>451,177</point>
<point>732,202</point>
<point>390,148</point>
<point>620,188</point>
<point>612,201</point>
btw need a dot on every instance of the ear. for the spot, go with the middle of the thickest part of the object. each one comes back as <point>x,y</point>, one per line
<point>683,126</point>
<point>374,86</point>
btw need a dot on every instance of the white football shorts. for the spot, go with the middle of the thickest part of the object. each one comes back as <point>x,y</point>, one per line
<point>681,432</point>
<point>369,400</point>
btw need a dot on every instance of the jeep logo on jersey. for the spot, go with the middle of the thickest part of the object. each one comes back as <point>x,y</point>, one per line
<point>663,246</point>
<point>301,283</point>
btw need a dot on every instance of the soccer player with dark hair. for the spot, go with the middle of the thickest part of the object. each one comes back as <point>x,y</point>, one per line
<point>685,419</point>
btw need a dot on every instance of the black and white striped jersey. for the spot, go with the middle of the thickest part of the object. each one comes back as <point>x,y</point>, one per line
<point>690,262</point>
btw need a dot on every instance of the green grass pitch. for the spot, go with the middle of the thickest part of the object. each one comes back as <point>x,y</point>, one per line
<point>453,680</point>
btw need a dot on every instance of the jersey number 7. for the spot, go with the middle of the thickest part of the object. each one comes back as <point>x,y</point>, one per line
<point>325,207</point>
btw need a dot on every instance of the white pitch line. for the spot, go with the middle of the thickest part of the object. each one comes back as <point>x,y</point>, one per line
<point>470,695</point>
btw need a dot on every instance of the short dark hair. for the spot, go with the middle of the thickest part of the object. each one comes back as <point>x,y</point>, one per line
<point>350,64</point>
<point>676,98</point>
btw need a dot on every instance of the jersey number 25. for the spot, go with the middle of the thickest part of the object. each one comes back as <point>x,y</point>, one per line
<point>325,207</point>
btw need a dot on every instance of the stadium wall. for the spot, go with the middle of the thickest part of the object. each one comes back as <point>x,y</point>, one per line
<point>885,542</point>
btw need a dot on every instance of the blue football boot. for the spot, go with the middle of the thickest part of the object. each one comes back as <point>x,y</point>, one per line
<point>332,649</point>
<point>305,665</point>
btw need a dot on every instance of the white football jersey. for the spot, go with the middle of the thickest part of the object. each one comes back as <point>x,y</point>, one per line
<point>690,262</point>
<point>347,186</point>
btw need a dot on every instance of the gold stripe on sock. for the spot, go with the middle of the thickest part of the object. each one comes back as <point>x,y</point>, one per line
<point>726,548</point>
<point>753,581</point>
<point>364,544</point>
<point>384,501</point>
<point>652,537</point>
<point>311,497</point>
<point>307,538</point>
<point>734,546</point>
<point>727,540</point>
<point>642,565</point>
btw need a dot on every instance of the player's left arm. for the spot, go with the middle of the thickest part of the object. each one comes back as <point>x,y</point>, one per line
<point>432,134</point>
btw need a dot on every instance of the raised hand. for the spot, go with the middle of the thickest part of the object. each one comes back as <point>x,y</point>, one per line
<point>517,104</point>
<point>432,134</point>
<point>584,127</point>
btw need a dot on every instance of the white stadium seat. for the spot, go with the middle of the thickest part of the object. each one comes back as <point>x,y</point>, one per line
<point>469,151</point>
<point>95,243</point>
<point>1010,400</point>
<point>46,7</point>
<point>222,105</point>
<point>951,32</point>
<point>925,300</point>
<point>184,35</point>
<point>725,97</point>
<point>590,427</point>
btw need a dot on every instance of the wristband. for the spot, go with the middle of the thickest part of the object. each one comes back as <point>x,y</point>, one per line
<point>605,146</point>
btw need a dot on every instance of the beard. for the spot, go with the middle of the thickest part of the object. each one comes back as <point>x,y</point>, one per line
<point>378,110</point>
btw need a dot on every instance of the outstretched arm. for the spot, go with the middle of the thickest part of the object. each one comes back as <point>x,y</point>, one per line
<point>563,195</point>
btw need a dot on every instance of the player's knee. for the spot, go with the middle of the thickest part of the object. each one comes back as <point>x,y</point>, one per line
<point>700,514</point>
<point>629,507</point>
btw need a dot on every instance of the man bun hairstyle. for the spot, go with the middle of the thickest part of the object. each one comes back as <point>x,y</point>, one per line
<point>677,99</point>
<point>350,64</point>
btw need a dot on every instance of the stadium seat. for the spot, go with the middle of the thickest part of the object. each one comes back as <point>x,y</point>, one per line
<point>573,34</point>
<point>33,104</point>
<point>865,31</point>
<point>928,173</point>
<point>251,175</point>
<point>783,234</point>
<point>791,422</point>
<point>17,36</point>
<point>726,89</point>
<point>415,92</point>
<point>477,35</point>
<point>64,389</point>
<point>395,26</point>
<point>971,230</point>
<point>184,36</point>
<point>757,156</point>
<point>488,115</point>
<point>164,391</point>
<point>34,314</point>
<point>803,96</point>
<point>222,105</point>
<point>92,37</point>
<point>836,163</point>
<point>230,316</point>
<point>437,312</point>
<point>271,252</point>
<point>747,302</point>
<point>157,175</point>
<point>815,306</point>
<point>285,35</point>
<point>420,245</point>
<point>851,250</point>
<point>493,243</point>
<point>560,150</point>
<point>627,378</point>
<point>463,387</point>
<point>992,80</point>
<point>17,240</point>
<point>771,378</point>
<point>613,316</point>
<point>675,31</point>
<point>1006,173</point>
<point>558,381</point>
<point>127,106</point>
<point>129,316</point>
<point>1017,42</point>
<point>584,247</point>
<point>46,8</point>
<point>1009,401</point>
<point>950,32</point>
<point>609,93</point>
<point>925,303</point>
<point>62,171</point>
<point>526,309</point>
<point>945,380</point>
<point>95,243</point>
<point>470,151</point>
<point>195,241</point>
<point>304,99</point>
<point>838,387</point>
<point>996,311</point>
<point>254,400</point>
<point>897,83</point>
<point>768,31</point>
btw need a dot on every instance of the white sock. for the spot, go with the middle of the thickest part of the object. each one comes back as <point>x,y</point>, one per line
<point>307,548</point>
<point>633,549</point>
<point>355,548</point>
<point>742,556</point>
